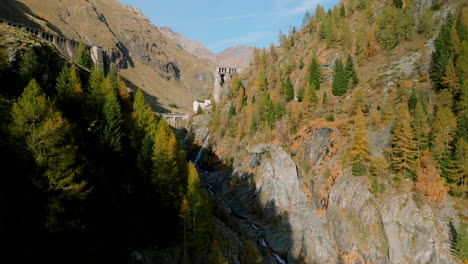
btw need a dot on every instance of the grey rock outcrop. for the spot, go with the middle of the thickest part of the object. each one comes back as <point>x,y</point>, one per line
<point>395,227</point>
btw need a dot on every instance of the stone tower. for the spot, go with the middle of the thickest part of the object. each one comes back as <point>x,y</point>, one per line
<point>222,77</point>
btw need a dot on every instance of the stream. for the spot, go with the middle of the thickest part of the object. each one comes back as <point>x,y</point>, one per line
<point>241,219</point>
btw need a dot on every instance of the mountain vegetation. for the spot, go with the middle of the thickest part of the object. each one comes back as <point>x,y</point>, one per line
<point>366,102</point>
<point>89,173</point>
<point>357,80</point>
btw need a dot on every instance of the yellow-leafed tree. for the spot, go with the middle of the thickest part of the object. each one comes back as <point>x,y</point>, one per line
<point>360,148</point>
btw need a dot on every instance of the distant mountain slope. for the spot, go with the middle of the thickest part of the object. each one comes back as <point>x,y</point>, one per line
<point>148,58</point>
<point>193,46</point>
<point>237,56</point>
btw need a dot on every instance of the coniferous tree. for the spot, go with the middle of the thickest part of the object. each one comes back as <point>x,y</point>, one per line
<point>112,136</point>
<point>450,79</point>
<point>262,81</point>
<point>232,111</point>
<point>289,90</point>
<point>459,175</point>
<point>29,67</point>
<point>196,213</point>
<point>443,133</point>
<point>442,54</point>
<point>426,23</point>
<point>428,178</point>
<point>462,112</point>
<point>300,94</point>
<point>339,85</point>
<point>371,45</point>
<point>83,58</point>
<point>314,73</point>
<point>76,82</point>
<point>169,166</point>
<point>395,26</point>
<point>325,98</point>
<point>351,74</point>
<point>96,93</point>
<point>342,11</point>
<point>360,148</point>
<point>143,115</point>
<point>145,154</point>
<point>398,3</point>
<point>65,88</point>
<point>403,145</point>
<point>421,128</point>
<point>30,110</point>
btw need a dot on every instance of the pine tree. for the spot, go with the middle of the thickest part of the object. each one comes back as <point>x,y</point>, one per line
<point>314,73</point>
<point>76,82</point>
<point>442,54</point>
<point>371,45</point>
<point>96,95</point>
<point>426,23</point>
<point>289,90</point>
<point>462,112</point>
<point>29,67</point>
<point>31,109</point>
<point>232,111</point>
<point>262,81</point>
<point>54,152</point>
<point>342,11</point>
<point>398,3</point>
<point>360,147</point>
<point>143,115</point>
<point>196,213</point>
<point>450,79</point>
<point>394,26</point>
<point>325,98</point>
<point>443,133</point>
<point>65,88</point>
<point>145,154</point>
<point>339,85</point>
<point>459,175</point>
<point>83,58</point>
<point>421,128</point>
<point>403,145</point>
<point>351,74</point>
<point>112,136</point>
<point>300,94</point>
<point>169,166</point>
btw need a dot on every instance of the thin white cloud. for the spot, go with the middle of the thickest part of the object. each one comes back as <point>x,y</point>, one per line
<point>303,7</point>
<point>249,39</point>
<point>299,8</point>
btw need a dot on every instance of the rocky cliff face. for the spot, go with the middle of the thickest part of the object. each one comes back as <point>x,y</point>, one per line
<point>331,217</point>
<point>146,57</point>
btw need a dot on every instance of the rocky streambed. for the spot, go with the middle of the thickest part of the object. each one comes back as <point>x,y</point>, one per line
<point>294,222</point>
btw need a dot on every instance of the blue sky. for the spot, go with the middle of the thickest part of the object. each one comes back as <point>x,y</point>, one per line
<point>219,24</point>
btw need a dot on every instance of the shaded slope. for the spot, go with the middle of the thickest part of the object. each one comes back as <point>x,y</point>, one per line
<point>146,56</point>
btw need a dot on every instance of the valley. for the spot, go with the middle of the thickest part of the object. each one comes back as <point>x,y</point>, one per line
<point>126,142</point>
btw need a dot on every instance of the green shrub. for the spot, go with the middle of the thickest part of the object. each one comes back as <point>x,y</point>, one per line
<point>359,169</point>
<point>330,118</point>
<point>461,243</point>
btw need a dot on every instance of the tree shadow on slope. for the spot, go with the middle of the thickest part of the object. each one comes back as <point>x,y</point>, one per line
<point>18,12</point>
<point>263,228</point>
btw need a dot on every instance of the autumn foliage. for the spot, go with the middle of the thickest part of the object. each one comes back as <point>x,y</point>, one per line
<point>428,179</point>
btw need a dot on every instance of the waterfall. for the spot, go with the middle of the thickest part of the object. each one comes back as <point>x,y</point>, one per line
<point>200,152</point>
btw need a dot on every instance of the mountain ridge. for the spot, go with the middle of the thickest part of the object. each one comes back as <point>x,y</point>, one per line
<point>239,56</point>
<point>144,55</point>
